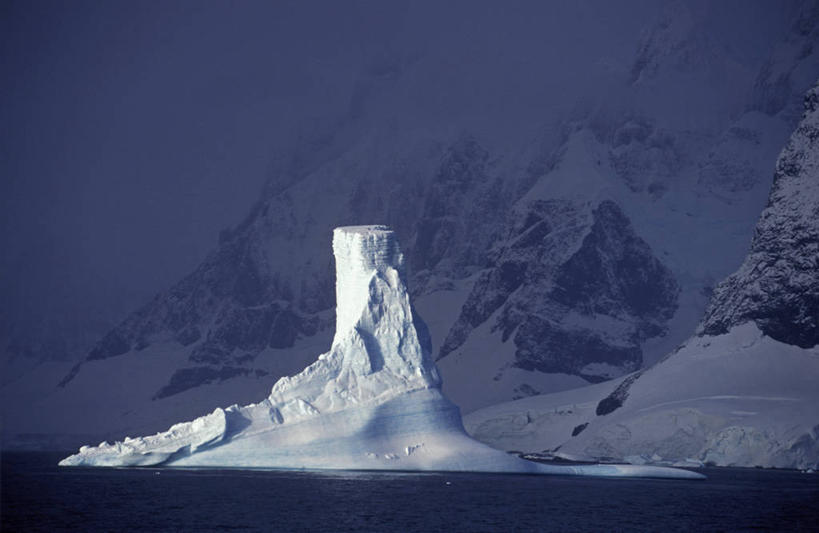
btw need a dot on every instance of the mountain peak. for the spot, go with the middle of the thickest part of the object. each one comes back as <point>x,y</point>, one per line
<point>777,286</point>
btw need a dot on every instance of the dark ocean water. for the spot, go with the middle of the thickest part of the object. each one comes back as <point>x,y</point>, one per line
<point>39,496</point>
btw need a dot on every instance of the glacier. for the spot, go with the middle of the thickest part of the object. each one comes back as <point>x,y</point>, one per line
<point>373,401</point>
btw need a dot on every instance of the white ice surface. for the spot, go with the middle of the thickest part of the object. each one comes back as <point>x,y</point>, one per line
<point>372,402</point>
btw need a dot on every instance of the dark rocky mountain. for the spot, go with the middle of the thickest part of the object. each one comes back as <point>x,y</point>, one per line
<point>224,313</point>
<point>740,393</point>
<point>267,285</point>
<point>777,285</point>
<point>577,291</point>
<point>778,80</point>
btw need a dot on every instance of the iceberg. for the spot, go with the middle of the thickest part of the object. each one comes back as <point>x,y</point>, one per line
<point>372,402</point>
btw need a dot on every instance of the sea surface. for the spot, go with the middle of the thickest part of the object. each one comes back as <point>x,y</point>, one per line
<point>37,495</point>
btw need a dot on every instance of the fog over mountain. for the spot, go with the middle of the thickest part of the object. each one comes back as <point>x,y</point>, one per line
<point>570,180</point>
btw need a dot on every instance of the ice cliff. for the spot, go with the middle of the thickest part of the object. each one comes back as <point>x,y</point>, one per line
<point>372,402</point>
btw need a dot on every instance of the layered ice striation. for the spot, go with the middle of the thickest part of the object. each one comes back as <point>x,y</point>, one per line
<point>373,401</point>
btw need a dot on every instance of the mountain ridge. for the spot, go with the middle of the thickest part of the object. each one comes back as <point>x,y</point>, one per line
<point>742,390</point>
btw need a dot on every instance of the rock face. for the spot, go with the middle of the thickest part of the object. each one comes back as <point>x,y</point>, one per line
<point>777,285</point>
<point>577,291</point>
<point>461,213</point>
<point>223,314</point>
<point>373,401</point>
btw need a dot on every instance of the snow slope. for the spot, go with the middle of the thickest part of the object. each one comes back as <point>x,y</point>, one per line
<point>372,402</point>
<point>743,391</point>
<point>739,399</point>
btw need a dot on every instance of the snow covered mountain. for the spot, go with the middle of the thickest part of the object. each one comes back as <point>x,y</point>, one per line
<point>372,402</point>
<point>743,390</point>
<point>541,229</point>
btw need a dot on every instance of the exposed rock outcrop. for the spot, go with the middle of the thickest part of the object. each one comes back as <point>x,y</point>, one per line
<point>576,290</point>
<point>777,285</point>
